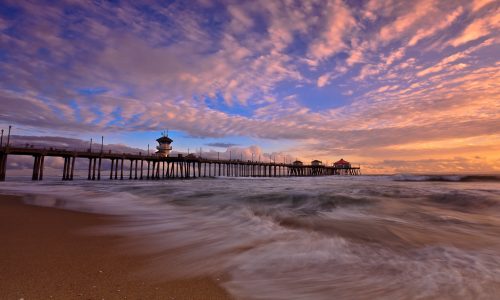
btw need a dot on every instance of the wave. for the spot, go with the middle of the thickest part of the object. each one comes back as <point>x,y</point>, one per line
<point>303,238</point>
<point>447,178</point>
<point>464,200</point>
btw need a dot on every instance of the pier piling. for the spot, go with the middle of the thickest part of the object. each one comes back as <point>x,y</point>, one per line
<point>72,167</point>
<point>99,169</point>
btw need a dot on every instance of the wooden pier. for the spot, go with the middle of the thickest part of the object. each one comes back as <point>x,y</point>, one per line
<point>153,167</point>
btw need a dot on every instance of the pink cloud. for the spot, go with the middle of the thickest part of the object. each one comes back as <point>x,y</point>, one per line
<point>430,31</point>
<point>339,22</point>
<point>404,22</point>
<point>478,28</point>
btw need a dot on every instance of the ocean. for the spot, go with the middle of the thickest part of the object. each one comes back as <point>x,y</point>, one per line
<point>363,237</point>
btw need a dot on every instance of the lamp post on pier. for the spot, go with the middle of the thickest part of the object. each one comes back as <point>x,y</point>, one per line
<point>102,143</point>
<point>90,145</point>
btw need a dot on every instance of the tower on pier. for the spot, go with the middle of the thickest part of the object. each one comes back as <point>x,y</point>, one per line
<point>164,147</point>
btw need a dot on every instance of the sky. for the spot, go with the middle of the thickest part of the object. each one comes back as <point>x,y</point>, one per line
<point>396,86</point>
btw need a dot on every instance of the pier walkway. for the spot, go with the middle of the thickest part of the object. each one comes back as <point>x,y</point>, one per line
<point>152,167</point>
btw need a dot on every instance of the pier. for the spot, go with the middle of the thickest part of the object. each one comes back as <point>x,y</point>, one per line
<point>154,167</point>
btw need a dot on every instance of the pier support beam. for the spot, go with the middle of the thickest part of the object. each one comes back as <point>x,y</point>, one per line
<point>121,169</point>
<point>36,167</point>
<point>72,167</point>
<point>90,167</point>
<point>110,170</point>
<point>94,166</point>
<point>99,169</point>
<point>3,166</point>
<point>66,168</point>
<point>40,174</point>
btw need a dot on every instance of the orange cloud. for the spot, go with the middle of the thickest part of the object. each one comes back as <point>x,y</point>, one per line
<point>478,28</point>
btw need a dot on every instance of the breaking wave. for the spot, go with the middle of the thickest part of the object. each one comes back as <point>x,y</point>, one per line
<point>450,178</point>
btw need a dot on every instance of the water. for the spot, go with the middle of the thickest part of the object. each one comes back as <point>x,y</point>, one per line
<point>366,237</point>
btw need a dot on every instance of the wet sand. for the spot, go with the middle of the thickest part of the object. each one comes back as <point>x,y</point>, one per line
<point>47,253</point>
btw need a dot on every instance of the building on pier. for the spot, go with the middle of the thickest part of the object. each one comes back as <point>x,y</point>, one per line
<point>164,147</point>
<point>298,163</point>
<point>342,164</point>
<point>316,163</point>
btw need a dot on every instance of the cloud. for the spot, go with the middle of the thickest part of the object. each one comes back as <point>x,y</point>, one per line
<point>339,21</point>
<point>399,73</point>
<point>324,79</point>
<point>395,55</point>
<point>430,31</point>
<point>387,88</point>
<point>221,145</point>
<point>478,28</point>
<point>446,62</point>
<point>478,4</point>
<point>405,21</point>
<point>367,71</point>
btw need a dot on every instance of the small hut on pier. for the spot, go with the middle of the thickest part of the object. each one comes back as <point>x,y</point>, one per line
<point>342,164</point>
<point>316,163</point>
<point>316,167</point>
<point>298,163</point>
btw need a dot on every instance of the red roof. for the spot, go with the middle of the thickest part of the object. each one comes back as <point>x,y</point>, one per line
<point>342,162</point>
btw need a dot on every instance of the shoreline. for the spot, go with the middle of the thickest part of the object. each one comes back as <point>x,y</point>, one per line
<point>45,254</point>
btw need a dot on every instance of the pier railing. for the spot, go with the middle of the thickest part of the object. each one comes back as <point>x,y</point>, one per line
<point>140,166</point>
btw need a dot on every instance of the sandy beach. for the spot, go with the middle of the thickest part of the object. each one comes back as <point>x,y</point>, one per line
<point>48,253</point>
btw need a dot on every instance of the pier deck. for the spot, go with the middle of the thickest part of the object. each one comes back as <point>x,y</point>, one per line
<point>138,166</point>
